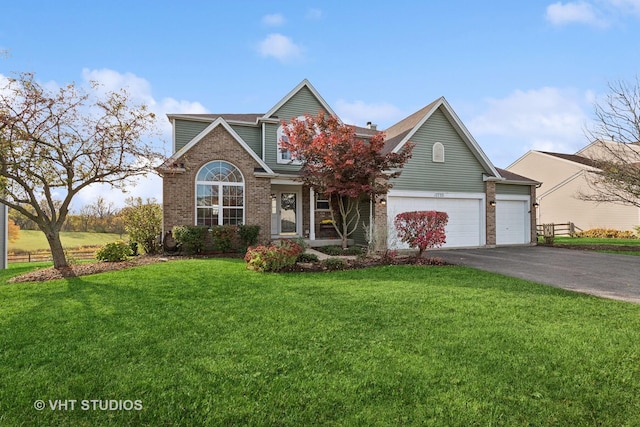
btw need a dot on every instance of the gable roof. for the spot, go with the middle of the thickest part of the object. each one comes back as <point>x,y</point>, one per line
<point>514,178</point>
<point>400,133</point>
<point>572,158</point>
<point>298,88</point>
<point>220,121</point>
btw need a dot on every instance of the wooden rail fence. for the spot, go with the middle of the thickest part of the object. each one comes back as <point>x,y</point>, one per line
<point>38,256</point>
<point>552,230</point>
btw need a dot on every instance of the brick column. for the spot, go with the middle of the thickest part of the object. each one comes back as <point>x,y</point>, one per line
<point>490,192</point>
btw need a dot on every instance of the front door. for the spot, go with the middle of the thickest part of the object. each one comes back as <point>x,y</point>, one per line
<point>284,213</point>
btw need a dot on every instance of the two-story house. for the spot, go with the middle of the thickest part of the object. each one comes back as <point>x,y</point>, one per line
<point>229,169</point>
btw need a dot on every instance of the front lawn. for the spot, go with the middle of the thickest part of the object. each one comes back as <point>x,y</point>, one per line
<point>605,245</point>
<point>206,342</point>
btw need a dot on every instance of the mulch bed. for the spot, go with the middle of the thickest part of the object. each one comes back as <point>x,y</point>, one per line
<point>76,270</point>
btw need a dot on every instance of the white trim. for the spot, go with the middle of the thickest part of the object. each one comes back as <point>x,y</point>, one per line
<point>284,181</point>
<point>434,194</point>
<point>219,122</point>
<point>312,214</point>
<point>220,184</point>
<point>462,131</point>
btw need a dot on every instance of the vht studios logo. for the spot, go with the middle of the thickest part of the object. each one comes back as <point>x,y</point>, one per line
<point>88,405</point>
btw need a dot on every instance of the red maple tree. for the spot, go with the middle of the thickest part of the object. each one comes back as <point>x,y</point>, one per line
<point>342,166</point>
<point>422,229</point>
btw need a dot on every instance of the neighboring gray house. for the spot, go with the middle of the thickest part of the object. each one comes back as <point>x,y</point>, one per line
<point>229,169</point>
<point>4,235</point>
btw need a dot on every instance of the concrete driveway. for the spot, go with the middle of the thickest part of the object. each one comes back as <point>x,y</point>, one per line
<point>604,275</point>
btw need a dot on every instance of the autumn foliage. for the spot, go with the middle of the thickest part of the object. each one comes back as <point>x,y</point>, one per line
<point>14,231</point>
<point>422,229</point>
<point>341,165</point>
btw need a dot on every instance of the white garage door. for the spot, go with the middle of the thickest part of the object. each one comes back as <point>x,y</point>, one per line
<point>512,222</point>
<point>466,220</point>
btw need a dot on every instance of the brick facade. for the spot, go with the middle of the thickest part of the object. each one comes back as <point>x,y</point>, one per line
<point>179,187</point>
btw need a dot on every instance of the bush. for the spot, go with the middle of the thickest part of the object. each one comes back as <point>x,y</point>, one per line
<point>332,250</point>
<point>274,257</point>
<point>422,229</point>
<point>607,233</point>
<point>134,248</point>
<point>334,264</point>
<point>114,252</point>
<point>143,223</point>
<point>248,235</point>
<point>305,257</point>
<point>225,238</point>
<point>190,238</point>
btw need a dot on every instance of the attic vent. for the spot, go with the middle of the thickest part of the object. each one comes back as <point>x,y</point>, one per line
<point>438,153</point>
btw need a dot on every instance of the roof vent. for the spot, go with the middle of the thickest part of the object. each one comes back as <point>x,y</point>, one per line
<point>372,126</point>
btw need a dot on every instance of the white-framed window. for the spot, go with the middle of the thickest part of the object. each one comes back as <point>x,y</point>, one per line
<point>438,153</point>
<point>284,156</point>
<point>322,202</point>
<point>219,194</point>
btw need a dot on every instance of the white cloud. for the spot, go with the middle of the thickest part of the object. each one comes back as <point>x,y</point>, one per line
<point>141,92</point>
<point>547,119</point>
<point>574,12</point>
<point>273,20</point>
<point>359,113</point>
<point>280,47</point>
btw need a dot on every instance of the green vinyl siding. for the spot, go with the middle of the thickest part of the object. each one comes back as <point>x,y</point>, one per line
<point>299,104</point>
<point>523,190</point>
<point>359,235</point>
<point>186,130</point>
<point>460,172</point>
<point>252,135</point>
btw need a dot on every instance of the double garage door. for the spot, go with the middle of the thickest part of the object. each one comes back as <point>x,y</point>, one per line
<point>467,219</point>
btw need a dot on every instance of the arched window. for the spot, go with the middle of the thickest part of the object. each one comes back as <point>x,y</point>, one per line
<point>219,194</point>
<point>438,153</point>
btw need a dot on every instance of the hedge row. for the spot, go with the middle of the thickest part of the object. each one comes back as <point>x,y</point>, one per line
<point>193,240</point>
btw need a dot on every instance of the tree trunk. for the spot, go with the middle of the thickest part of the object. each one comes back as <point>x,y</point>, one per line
<point>57,251</point>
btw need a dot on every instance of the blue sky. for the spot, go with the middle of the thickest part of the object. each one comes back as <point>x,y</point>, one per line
<point>521,75</point>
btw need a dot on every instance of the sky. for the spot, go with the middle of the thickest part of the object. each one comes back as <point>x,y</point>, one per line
<point>521,75</point>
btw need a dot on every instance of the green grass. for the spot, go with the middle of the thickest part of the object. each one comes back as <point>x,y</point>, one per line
<point>589,241</point>
<point>33,240</point>
<point>206,342</point>
<point>596,241</point>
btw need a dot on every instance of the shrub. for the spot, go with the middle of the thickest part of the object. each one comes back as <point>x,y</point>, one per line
<point>134,248</point>
<point>332,250</point>
<point>248,235</point>
<point>143,222</point>
<point>334,264</point>
<point>190,238</point>
<point>224,237</point>
<point>274,257</point>
<point>422,229</point>
<point>306,257</point>
<point>114,252</point>
<point>607,233</point>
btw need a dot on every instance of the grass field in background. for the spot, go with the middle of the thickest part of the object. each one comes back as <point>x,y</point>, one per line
<point>33,240</point>
<point>207,342</point>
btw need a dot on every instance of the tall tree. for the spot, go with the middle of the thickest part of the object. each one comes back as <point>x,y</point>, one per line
<point>615,155</point>
<point>343,167</point>
<point>56,142</point>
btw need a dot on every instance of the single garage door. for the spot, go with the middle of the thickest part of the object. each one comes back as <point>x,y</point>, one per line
<point>466,219</point>
<point>512,222</point>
